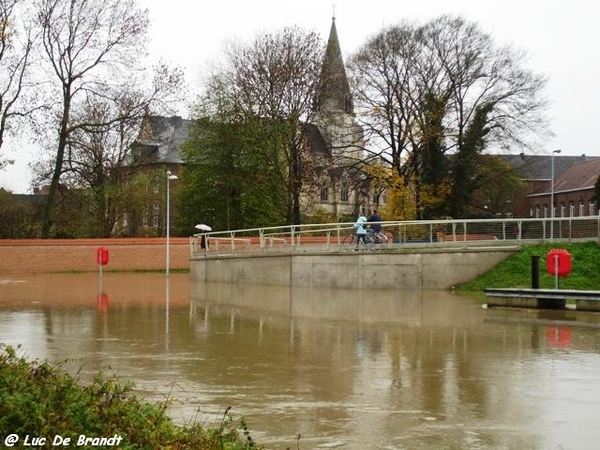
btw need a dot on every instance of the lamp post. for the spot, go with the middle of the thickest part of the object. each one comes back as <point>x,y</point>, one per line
<point>552,195</point>
<point>170,177</point>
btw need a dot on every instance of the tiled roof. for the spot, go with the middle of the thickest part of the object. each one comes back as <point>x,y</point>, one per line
<point>539,167</point>
<point>581,175</point>
<point>316,140</point>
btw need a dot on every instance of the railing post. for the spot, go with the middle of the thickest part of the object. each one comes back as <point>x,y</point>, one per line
<point>544,230</point>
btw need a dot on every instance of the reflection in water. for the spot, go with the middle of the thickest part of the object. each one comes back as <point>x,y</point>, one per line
<point>354,369</point>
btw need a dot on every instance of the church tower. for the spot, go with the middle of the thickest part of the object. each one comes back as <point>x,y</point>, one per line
<point>333,107</point>
<point>337,141</point>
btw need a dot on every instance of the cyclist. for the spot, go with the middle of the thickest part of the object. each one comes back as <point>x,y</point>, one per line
<point>374,224</point>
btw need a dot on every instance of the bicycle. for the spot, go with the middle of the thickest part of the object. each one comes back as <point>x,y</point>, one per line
<point>372,240</point>
<point>379,237</point>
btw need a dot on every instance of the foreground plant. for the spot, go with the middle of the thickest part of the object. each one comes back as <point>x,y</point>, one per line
<point>44,405</point>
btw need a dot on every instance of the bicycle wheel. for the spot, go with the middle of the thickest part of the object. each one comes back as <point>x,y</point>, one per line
<point>383,240</point>
<point>370,242</point>
<point>349,242</point>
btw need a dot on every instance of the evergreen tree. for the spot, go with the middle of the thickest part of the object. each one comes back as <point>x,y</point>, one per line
<point>466,161</point>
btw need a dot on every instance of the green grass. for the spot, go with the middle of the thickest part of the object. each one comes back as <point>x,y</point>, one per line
<point>515,271</point>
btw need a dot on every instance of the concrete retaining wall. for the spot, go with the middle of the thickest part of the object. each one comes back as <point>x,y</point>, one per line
<point>427,269</point>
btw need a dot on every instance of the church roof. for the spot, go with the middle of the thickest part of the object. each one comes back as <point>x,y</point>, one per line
<point>160,140</point>
<point>334,90</point>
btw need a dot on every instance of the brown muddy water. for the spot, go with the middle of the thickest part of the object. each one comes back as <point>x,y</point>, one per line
<point>341,369</point>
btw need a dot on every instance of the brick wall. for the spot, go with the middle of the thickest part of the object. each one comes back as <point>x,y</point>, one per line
<point>56,255</point>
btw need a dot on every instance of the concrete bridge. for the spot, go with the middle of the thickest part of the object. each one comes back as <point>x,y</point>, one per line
<point>415,254</point>
<point>393,269</point>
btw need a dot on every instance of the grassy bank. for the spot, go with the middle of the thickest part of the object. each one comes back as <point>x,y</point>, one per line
<point>515,271</point>
<point>41,403</point>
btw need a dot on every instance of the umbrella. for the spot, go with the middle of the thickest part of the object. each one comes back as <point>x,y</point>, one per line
<point>203,227</point>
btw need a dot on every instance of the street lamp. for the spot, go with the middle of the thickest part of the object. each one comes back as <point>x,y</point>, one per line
<point>170,177</point>
<point>552,195</point>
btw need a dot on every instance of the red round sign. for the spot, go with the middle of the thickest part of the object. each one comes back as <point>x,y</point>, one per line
<point>558,261</point>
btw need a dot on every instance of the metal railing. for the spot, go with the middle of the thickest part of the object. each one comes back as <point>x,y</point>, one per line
<point>401,234</point>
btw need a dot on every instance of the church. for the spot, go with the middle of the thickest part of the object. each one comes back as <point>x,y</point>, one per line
<point>333,137</point>
<point>345,190</point>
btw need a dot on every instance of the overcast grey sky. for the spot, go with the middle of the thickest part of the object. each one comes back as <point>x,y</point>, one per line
<point>560,37</point>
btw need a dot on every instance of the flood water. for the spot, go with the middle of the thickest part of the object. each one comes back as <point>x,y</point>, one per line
<point>340,369</point>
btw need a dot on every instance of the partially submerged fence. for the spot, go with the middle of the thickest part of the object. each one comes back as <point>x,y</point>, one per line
<point>332,237</point>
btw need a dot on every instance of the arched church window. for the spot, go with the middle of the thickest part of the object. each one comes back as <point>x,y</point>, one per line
<point>345,193</point>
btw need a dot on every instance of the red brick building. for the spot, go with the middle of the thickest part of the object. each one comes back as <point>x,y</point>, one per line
<point>573,190</point>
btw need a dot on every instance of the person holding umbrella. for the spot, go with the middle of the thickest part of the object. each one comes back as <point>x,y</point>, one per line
<point>203,242</point>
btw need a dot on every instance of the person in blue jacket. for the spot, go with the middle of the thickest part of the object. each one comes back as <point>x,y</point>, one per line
<point>360,229</point>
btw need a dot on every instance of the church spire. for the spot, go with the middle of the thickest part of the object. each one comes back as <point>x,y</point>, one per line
<point>334,91</point>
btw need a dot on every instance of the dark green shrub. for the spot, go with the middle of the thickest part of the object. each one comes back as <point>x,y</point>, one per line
<point>39,399</point>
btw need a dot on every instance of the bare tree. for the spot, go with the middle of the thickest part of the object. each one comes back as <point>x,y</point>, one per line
<point>95,163</point>
<point>92,47</point>
<point>272,81</point>
<point>386,100</point>
<point>446,85</point>
<point>16,43</point>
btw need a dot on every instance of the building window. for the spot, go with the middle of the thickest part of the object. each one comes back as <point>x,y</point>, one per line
<point>345,193</point>
<point>581,208</point>
<point>324,194</point>
<point>537,211</point>
<point>563,209</point>
<point>592,209</point>
<point>155,214</point>
<point>571,209</point>
<point>545,211</point>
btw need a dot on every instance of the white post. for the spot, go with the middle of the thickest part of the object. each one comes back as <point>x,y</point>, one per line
<point>555,271</point>
<point>170,177</point>
<point>552,195</point>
